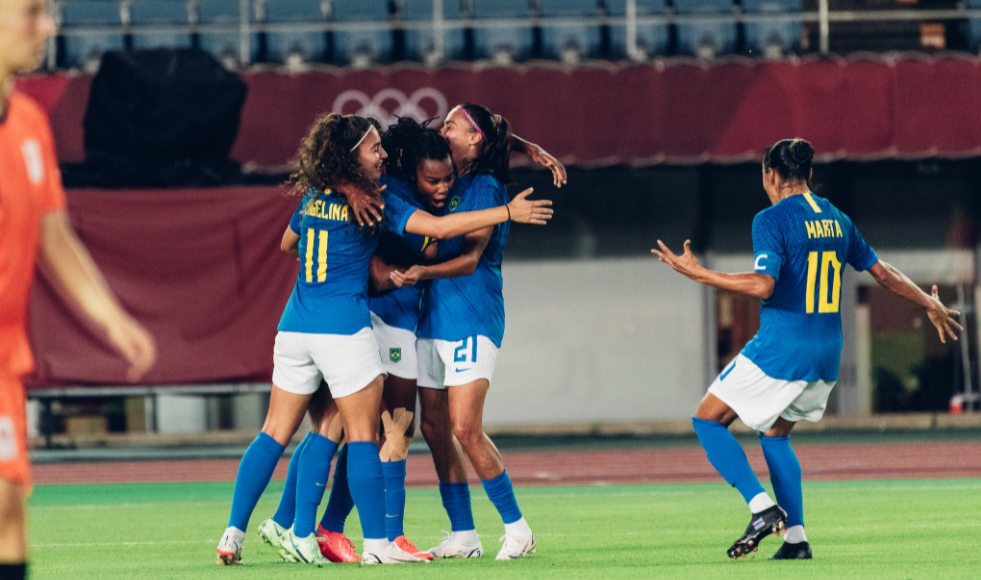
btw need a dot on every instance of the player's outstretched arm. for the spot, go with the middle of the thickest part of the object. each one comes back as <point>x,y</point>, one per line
<point>542,157</point>
<point>940,316</point>
<point>521,210</point>
<point>463,265</point>
<point>750,284</point>
<point>290,243</point>
<point>68,264</point>
<point>380,276</point>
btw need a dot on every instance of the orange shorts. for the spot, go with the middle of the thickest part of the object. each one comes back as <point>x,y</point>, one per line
<point>14,464</point>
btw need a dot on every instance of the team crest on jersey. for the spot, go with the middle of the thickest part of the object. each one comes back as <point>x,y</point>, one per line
<point>395,354</point>
<point>32,159</point>
<point>454,203</point>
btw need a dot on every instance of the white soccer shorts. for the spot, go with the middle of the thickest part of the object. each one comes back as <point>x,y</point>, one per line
<point>347,362</point>
<point>759,400</point>
<point>397,349</point>
<point>451,364</point>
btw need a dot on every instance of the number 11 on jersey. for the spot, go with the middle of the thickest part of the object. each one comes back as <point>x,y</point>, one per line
<point>828,261</point>
<point>321,255</point>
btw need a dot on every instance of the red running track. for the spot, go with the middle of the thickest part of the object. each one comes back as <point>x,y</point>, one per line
<point>672,465</point>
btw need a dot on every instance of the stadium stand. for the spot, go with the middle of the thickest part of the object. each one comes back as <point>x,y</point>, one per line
<point>502,43</point>
<point>159,24</point>
<point>84,50</point>
<point>706,39</point>
<point>651,39</point>
<point>570,42</point>
<point>420,43</point>
<point>286,38</point>
<point>226,45</point>
<point>773,38</point>
<point>364,46</point>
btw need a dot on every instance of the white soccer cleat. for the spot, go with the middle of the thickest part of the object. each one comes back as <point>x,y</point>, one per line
<point>304,550</point>
<point>453,547</point>
<point>229,550</point>
<point>390,554</point>
<point>273,534</point>
<point>516,546</point>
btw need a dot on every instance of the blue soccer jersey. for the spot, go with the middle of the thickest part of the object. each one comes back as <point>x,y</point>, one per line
<point>455,308</point>
<point>803,242</point>
<point>400,308</point>
<point>330,295</point>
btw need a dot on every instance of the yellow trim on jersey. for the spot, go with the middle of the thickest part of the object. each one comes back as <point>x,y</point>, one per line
<point>810,200</point>
<point>309,264</point>
<point>322,257</point>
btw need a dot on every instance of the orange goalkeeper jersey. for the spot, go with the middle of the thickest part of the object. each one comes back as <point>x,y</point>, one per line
<point>30,186</point>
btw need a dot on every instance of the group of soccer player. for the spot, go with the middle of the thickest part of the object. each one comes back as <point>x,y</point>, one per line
<point>354,362</point>
<point>400,287</point>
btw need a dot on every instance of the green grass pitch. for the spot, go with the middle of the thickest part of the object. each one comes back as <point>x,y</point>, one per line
<point>873,529</point>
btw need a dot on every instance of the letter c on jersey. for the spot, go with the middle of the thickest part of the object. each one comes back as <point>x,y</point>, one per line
<point>756,264</point>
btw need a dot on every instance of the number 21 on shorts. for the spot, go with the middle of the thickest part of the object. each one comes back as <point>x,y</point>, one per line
<point>829,264</point>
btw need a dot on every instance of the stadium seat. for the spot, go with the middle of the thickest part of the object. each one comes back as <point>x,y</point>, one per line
<point>224,45</point>
<point>375,45</point>
<point>291,46</point>
<point>708,39</point>
<point>169,13</point>
<point>773,38</point>
<point>651,40</point>
<point>84,50</point>
<point>511,41</point>
<point>583,39</point>
<point>419,42</point>
<point>973,27</point>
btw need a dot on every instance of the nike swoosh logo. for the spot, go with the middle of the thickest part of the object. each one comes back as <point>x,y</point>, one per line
<point>388,516</point>
<point>321,485</point>
<point>298,552</point>
<point>462,370</point>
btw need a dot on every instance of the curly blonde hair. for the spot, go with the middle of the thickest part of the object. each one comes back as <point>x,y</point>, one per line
<point>326,160</point>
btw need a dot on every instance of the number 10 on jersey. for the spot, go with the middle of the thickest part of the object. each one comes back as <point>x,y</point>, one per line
<point>312,238</point>
<point>830,267</point>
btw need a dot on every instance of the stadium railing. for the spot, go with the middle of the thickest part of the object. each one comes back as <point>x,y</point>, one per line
<point>636,29</point>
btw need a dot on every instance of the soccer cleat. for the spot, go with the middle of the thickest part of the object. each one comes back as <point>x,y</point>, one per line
<point>769,521</point>
<point>390,554</point>
<point>229,551</point>
<point>336,547</point>
<point>801,551</point>
<point>304,550</point>
<point>406,545</point>
<point>273,534</point>
<point>452,547</point>
<point>515,546</point>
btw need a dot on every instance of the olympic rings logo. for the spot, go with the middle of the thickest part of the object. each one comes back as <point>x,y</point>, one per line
<point>391,103</point>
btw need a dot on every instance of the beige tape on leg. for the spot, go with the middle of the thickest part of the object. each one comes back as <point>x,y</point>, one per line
<point>396,424</point>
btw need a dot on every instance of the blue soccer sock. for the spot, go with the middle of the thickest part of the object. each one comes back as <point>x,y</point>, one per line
<point>367,484</point>
<point>311,482</point>
<point>456,502</point>
<point>727,457</point>
<point>341,503</point>
<point>287,503</point>
<point>785,475</point>
<point>501,493</point>
<point>394,472</point>
<point>254,473</point>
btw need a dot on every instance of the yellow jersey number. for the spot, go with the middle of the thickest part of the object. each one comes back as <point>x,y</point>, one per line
<point>829,264</point>
<point>321,249</point>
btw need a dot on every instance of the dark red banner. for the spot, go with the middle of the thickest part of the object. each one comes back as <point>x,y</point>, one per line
<point>201,269</point>
<point>680,113</point>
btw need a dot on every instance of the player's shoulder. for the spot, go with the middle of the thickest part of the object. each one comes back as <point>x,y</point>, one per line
<point>28,111</point>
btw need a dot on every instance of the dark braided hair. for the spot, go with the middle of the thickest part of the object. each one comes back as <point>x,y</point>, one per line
<point>790,158</point>
<point>409,143</point>
<point>495,155</point>
<point>325,159</point>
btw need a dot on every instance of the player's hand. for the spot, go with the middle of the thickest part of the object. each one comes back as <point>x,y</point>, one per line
<point>368,207</point>
<point>135,344</point>
<point>942,317</point>
<point>542,157</point>
<point>410,277</point>
<point>526,211</point>
<point>686,263</point>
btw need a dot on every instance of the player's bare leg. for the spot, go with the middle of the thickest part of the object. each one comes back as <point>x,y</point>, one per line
<point>711,423</point>
<point>466,404</point>
<point>13,537</point>
<point>785,475</point>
